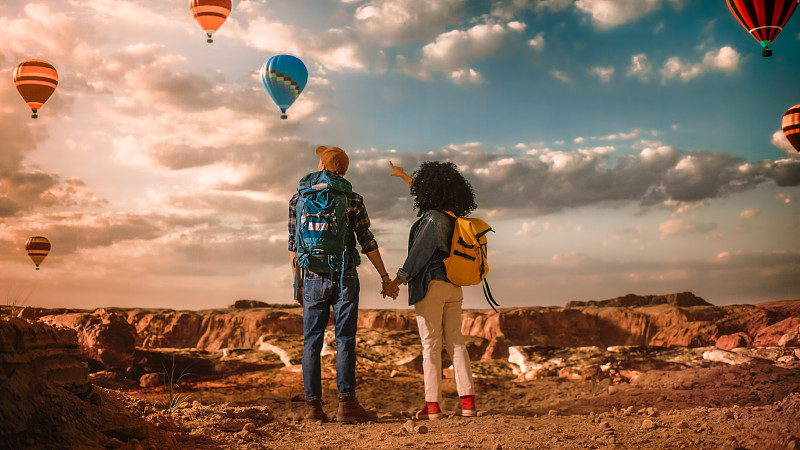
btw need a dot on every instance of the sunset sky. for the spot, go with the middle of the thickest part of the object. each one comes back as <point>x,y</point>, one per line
<point>615,146</point>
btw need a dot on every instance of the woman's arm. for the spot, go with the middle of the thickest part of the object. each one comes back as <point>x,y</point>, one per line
<point>398,171</point>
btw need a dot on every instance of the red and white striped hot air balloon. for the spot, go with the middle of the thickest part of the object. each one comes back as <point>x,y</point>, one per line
<point>210,14</point>
<point>36,80</point>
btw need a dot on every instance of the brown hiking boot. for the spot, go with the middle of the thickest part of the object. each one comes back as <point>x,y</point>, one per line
<point>315,412</point>
<point>351,411</point>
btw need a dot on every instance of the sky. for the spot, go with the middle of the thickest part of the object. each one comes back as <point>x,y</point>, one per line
<point>615,146</point>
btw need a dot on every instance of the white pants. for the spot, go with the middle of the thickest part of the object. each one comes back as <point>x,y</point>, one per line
<point>438,318</point>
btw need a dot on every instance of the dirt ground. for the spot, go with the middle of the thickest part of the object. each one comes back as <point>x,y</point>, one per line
<point>752,406</point>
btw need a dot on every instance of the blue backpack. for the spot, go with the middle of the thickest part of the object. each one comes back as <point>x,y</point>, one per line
<point>321,239</point>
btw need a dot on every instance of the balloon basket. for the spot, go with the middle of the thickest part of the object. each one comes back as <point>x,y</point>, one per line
<point>766,52</point>
<point>284,116</point>
<point>210,41</point>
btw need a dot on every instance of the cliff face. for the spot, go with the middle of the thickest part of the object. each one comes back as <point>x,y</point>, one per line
<point>673,320</point>
<point>35,358</point>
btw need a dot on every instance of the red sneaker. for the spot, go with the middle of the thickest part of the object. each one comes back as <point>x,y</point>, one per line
<point>430,411</point>
<point>468,406</point>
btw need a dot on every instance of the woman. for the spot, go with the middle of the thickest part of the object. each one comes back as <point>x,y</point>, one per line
<point>437,187</point>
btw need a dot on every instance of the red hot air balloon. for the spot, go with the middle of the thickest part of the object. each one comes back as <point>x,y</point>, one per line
<point>37,247</point>
<point>210,14</point>
<point>791,126</point>
<point>764,19</point>
<point>36,80</point>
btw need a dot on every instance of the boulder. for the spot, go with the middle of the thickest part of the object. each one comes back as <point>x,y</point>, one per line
<point>771,335</point>
<point>731,341</point>
<point>790,339</point>
<point>726,357</point>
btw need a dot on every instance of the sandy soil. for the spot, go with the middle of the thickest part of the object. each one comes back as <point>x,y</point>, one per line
<point>753,406</point>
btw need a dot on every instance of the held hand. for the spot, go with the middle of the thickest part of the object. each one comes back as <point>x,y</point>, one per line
<point>384,282</point>
<point>393,288</point>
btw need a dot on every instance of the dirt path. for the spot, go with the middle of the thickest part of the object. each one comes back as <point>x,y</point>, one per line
<point>751,406</point>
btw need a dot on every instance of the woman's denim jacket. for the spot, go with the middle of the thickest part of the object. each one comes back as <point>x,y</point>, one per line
<point>428,244</point>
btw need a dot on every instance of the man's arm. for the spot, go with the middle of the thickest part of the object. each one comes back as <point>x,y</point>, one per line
<point>374,257</point>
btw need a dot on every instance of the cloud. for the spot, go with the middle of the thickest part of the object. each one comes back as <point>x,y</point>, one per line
<point>507,9</point>
<point>533,228</point>
<point>681,227</point>
<point>726,59</point>
<point>561,76</point>
<point>607,14</point>
<point>451,52</point>
<point>749,213</point>
<point>537,42</point>
<point>780,141</point>
<point>604,73</point>
<point>640,68</point>
<point>334,49</point>
<point>545,181</point>
<point>394,22</point>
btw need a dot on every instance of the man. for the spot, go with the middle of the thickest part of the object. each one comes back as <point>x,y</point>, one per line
<point>318,291</point>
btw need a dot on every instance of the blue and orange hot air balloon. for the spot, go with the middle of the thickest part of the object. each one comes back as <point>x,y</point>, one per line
<point>37,247</point>
<point>210,14</point>
<point>284,77</point>
<point>763,19</point>
<point>791,126</point>
<point>36,80</point>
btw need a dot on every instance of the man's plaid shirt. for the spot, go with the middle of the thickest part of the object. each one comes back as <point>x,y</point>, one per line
<point>357,218</point>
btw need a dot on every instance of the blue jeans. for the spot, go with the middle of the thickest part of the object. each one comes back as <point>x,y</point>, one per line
<point>320,293</point>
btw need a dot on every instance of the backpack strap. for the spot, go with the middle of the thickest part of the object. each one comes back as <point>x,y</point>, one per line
<point>488,294</point>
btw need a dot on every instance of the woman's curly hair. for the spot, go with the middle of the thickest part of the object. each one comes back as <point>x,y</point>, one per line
<point>440,186</point>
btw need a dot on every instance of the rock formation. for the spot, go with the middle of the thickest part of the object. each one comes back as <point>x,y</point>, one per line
<point>682,320</point>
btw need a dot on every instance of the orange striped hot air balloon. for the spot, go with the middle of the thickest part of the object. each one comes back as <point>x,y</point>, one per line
<point>210,14</point>
<point>36,80</point>
<point>791,126</point>
<point>37,247</point>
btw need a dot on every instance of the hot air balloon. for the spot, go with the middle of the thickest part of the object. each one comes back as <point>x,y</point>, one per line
<point>210,14</point>
<point>764,19</point>
<point>791,126</point>
<point>284,77</point>
<point>37,247</point>
<point>36,80</point>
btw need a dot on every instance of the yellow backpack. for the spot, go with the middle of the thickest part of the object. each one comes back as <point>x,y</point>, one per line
<point>467,263</point>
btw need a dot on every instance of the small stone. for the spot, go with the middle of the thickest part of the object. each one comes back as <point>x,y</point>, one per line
<point>793,444</point>
<point>648,424</point>
<point>604,425</point>
<point>682,425</point>
<point>529,428</point>
<point>249,427</point>
<point>651,411</point>
<point>421,429</point>
<point>409,426</point>
<point>497,446</point>
<point>483,413</point>
<point>612,390</point>
<point>552,412</point>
